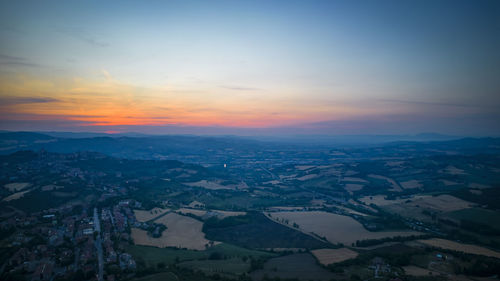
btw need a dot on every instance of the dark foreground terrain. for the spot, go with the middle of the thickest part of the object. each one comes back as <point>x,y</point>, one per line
<point>225,208</point>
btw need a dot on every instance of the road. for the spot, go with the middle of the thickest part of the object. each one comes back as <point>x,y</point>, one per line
<point>98,245</point>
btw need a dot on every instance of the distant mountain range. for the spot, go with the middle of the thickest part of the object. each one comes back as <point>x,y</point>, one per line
<point>181,147</point>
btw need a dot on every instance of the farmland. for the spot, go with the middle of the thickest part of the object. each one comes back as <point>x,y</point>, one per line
<point>151,256</point>
<point>181,232</point>
<point>414,206</point>
<point>460,247</point>
<point>477,215</point>
<point>299,266</point>
<point>231,267</point>
<point>329,256</point>
<point>209,213</point>
<point>15,196</point>
<point>143,215</point>
<point>335,228</point>
<point>208,185</point>
<point>394,185</point>
<point>416,271</point>
<point>254,230</point>
<point>164,276</point>
<point>273,213</point>
<point>17,186</point>
<point>410,184</point>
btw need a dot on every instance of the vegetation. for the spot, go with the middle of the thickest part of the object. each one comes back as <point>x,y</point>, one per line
<point>254,230</point>
<point>64,189</point>
<point>372,242</point>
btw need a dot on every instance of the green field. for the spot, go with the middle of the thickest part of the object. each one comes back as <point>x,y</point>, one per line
<point>164,276</point>
<point>230,267</point>
<point>254,230</point>
<point>297,266</point>
<point>152,255</point>
<point>481,216</point>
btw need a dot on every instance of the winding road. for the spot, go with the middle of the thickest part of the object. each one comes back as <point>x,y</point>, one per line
<point>98,245</point>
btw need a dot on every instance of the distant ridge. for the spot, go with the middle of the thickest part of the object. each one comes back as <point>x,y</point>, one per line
<point>138,146</point>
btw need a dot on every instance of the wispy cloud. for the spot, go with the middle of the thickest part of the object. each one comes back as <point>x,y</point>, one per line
<point>33,116</point>
<point>431,103</point>
<point>238,88</point>
<point>25,100</point>
<point>16,61</point>
<point>82,35</point>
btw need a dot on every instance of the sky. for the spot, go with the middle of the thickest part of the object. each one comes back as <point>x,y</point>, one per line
<point>251,67</point>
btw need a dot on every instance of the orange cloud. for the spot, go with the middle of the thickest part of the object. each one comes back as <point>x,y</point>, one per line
<point>108,102</point>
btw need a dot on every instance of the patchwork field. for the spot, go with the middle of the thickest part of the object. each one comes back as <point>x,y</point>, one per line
<point>153,255</point>
<point>353,187</point>
<point>448,182</point>
<point>350,179</point>
<point>477,215</point>
<point>459,247</point>
<point>143,216</point>
<point>380,200</point>
<point>164,276</point>
<point>395,186</point>
<point>210,213</point>
<point>51,187</point>
<point>196,212</point>
<point>231,267</point>
<point>413,207</point>
<point>416,271</point>
<point>443,203</point>
<point>181,232</point>
<point>15,196</point>
<point>452,170</point>
<point>17,186</point>
<point>285,208</point>
<point>478,185</point>
<point>256,231</point>
<point>304,167</point>
<point>208,185</point>
<point>308,177</point>
<point>217,185</point>
<point>411,184</point>
<point>335,228</point>
<point>329,256</point>
<point>296,266</point>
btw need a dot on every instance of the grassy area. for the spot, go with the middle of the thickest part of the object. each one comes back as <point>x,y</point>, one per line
<point>477,215</point>
<point>235,251</point>
<point>152,256</point>
<point>254,230</point>
<point>231,267</point>
<point>163,276</point>
<point>297,266</point>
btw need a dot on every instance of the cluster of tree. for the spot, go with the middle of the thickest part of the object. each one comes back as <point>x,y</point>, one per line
<point>155,230</point>
<point>489,197</point>
<point>479,227</point>
<point>383,220</point>
<point>483,267</point>
<point>6,231</point>
<point>397,255</point>
<point>252,231</point>
<point>214,222</point>
<point>372,242</point>
<point>475,265</point>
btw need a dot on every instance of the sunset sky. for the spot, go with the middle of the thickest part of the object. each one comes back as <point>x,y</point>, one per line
<point>312,67</point>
